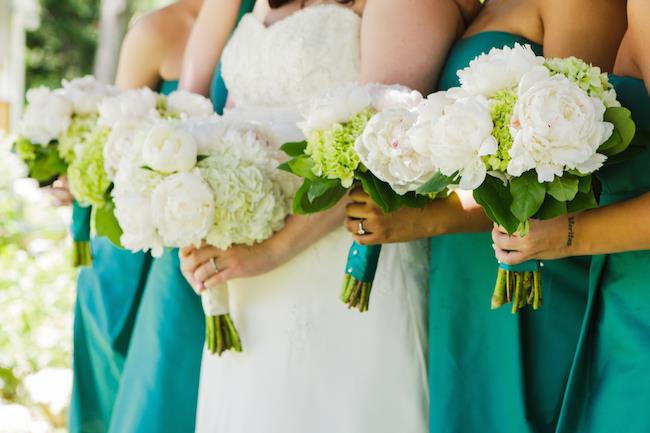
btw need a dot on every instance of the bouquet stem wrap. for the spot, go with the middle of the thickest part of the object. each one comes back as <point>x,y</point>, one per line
<point>80,229</point>
<point>220,331</point>
<point>520,285</point>
<point>360,271</point>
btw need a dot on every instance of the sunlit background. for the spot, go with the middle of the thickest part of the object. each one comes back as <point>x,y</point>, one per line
<point>42,42</point>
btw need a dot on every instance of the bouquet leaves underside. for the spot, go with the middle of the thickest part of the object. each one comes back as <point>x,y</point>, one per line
<point>106,223</point>
<point>43,162</point>
<point>318,194</point>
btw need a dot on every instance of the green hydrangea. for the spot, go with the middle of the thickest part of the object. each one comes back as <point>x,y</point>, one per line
<point>589,78</point>
<point>80,130</point>
<point>501,108</point>
<point>332,150</point>
<point>86,174</point>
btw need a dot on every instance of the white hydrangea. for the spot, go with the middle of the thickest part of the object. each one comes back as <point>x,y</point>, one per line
<point>183,209</point>
<point>556,126</point>
<point>456,135</point>
<point>86,94</point>
<point>169,149</point>
<point>501,68</point>
<point>186,104</point>
<point>128,105</point>
<point>385,148</point>
<point>48,115</point>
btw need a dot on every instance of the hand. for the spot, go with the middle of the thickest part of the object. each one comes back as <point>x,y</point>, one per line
<point>60,191</point>
<point>546,240</point>
<point>403,225</point>
<point>208,267</point>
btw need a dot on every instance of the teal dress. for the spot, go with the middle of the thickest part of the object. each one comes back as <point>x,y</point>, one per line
<point>492,371</point>
<point>160,383</point>
<point>609,388</point>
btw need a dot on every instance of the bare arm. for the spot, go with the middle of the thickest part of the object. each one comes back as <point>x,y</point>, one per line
<point>639,33</point>
<point>588,29</point>
<point>141,56</point>
<point>209,35</point>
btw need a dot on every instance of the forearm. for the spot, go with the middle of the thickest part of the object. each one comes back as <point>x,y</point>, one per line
<point>206,42</point>
<point>611,229</point>
<point>301,231</point>
<point>458,213</point>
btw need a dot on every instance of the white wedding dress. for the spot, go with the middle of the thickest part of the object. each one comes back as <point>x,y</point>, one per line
<point>309,364</point>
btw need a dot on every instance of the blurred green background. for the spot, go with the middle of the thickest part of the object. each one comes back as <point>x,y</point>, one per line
<point>37,288</point>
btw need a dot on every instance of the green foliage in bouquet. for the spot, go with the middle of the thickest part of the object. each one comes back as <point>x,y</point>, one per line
<point>44,163</point>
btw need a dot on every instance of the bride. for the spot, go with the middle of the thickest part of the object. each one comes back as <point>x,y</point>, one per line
<point>309,364</point>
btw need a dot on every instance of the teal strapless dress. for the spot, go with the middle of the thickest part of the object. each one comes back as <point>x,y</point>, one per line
<point>609,387</point>
<point>492,371</point>
<point>160,383</point>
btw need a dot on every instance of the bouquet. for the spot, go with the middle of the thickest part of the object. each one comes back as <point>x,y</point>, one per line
<point>184,182</point>
<point>526,133</point>
<point>359,135</point>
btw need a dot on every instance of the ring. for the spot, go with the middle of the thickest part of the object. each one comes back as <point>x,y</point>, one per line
<point>215,269</point>
<point>360,230</point>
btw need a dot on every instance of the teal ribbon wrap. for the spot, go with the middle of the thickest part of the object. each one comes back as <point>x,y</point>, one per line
<point>362,262</point>
<point>527,266</point>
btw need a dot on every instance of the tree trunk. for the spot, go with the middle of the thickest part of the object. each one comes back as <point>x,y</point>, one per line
<point>114,20</point>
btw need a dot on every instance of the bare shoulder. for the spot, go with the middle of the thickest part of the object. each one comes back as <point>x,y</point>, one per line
<point>160,27</point>
<point>584,11</point>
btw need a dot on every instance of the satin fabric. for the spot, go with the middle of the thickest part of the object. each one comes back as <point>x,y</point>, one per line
<point>489,370</point>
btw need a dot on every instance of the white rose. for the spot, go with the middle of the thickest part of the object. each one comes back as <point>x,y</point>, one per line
<point>385,97</point>
<point>459,138</point>
<point>169,149</point>
<point>335,106</point>
<point>48,115</point>
<point>189,104</point>
<point>385,149</point>
<point>134,214</point>
<point>128,105</point>
<point>183,209</point>
<point>556,126</point>
<point>86,93</point>
<point>501,68</point>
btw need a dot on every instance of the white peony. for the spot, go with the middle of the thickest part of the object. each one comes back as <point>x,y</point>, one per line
<point>128,105</point>
<point>183,209</point>
<point>186,104</point>
<point>120,140</point>
<point>169,149</point>
<point>86,94</point>
<point>501,68</point>
<point>385,149</point>
<point>386,97</point>
<point>334,106</point>
<point>48,115</point>
<point>457,136</point>
<point>556,126</point>
<point>135,216</point>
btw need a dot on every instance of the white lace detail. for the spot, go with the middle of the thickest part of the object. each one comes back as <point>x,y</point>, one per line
<point>293,59</point>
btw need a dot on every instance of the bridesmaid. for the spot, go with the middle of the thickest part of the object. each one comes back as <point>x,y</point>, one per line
<point>609,386</point>
<point>160,382</point>
<point>490,370</point>
<point>109,292</point>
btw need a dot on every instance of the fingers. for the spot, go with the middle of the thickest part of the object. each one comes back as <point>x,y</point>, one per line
<point>190,261</point>
<point>353,225</point>
<point>220,278</point>
<point>358,210</point>
<point>358,195</point>
<point>369,239</point>
<point>509,257</point>
<point>206,270</point>
<point>62,197</point>
<point>504,241</point>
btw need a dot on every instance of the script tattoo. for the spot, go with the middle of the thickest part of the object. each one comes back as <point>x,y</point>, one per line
<point>569,240</point>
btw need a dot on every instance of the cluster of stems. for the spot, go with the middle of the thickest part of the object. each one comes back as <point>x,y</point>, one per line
<point>221,335</point>
<point>355,293</point>
<point>81,255</point>
<point>518,288</point>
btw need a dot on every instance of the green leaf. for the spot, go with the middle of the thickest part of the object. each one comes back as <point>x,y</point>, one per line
<point>495,199</point>
<point>302,166</point>
<point>551,208</point>
<point>321,186</point>
<point>563,188</point>
<point>527,195</point>
<point>414,200</point>
<point>106,223</point>
<point>47,166</point>
<point>200,158</point>
<point>295,148</point>
<point>584,183</point>
<point>380,192</point>
<point>302,205</point>
<point>438,183</point>
<point>624,131</point>
<point>582,201</point>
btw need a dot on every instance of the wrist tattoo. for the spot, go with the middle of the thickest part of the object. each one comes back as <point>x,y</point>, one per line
<point>570,236</point>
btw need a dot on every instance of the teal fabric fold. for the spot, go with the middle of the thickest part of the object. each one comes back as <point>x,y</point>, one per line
<point>362,262</point>
<point>80,228</point>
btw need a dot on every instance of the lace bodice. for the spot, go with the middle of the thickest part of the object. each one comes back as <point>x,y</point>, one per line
<point>293,59</point>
